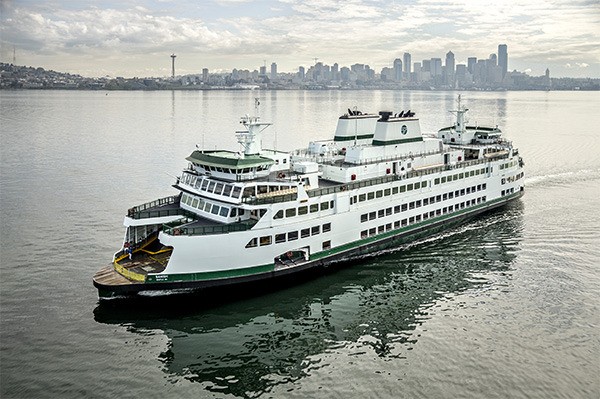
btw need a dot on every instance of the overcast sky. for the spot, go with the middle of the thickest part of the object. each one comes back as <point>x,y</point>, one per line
<point>135,37</point>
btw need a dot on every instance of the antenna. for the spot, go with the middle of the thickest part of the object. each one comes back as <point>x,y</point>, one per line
<point>316,59</point>
<point>14,56</point>
<point>355,125</point>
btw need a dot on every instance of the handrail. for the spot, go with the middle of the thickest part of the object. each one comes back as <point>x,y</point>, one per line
<point>369,182</point>
<point>136,211</point>
<point>176,230</point>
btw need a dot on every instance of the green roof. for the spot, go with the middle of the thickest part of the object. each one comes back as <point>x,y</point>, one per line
<point>228,159</point>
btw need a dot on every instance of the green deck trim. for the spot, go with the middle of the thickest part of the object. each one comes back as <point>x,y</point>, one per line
<point>203,276</point>
<point>398,141</point>
<point>349,138</point>
<point>227,159</point>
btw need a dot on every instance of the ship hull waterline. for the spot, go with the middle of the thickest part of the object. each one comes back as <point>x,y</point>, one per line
<point>318,266</point>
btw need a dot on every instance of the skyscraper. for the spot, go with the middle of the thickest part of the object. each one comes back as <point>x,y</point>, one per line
<point>397,69</point>
<point>503,58</point>
<point>450,68</point>
<point>273,71</point>
<point>407,64</point>
<point>471,61</point>
<point>173,65</point>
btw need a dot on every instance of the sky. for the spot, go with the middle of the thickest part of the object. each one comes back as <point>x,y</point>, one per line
<point>136,37</point>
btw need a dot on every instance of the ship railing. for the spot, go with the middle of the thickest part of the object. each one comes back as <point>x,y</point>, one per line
<point>177,229</point>
<point>371,182</point>
<point>137,211</point>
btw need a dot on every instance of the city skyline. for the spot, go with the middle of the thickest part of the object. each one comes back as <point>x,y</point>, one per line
<point>136,38</point>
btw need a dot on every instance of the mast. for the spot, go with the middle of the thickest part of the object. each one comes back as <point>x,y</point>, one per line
<point>460,117</point>
<point>251,138</point>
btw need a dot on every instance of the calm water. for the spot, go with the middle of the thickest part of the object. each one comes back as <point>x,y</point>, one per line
<point>505,306</point>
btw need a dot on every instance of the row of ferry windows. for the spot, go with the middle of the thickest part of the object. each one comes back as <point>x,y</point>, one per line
<point>418,218</point>
<point>508,165</point>
<point>365,217</point>
<point>462,175</point>
<point>207,207</point>
<point>387,191</point>
<point>289,236</point>
<point>211,186</point>
<point>507,191</point>
<point>303,210</point>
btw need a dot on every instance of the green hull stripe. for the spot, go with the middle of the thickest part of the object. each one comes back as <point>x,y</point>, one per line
<point>349,138</point>
<point>399,141</point>
<point>203,276</point>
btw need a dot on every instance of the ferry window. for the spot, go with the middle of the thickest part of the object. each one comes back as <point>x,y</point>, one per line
<point>397,224</point>
<point>443,180</point>
<point>479,187</point>
<point>364,218</point>
<point>364,234</point>
<point>394,190</point>
<point>211,186</point>
<point>451,195</point>
<point>314,208</point>
<point>425,201</point>
<point>326,244</point>
<point>215,209</point>
<point>381,213</point>
<point>236,192</point>
<point>370,195</point>
<point>418,203</point>
<point>424,183</point>
<point>468,190</point>
<point>436,181</point>
<point>451,208</point>
<point>362,197</point>
<point>331,204</point>
<point>397,209</point>
<point>388,211</point>
<point>324,206</point>
<point>279,238</point>
<point>404,207</point>
<point>315,230</point>
<point>279,214</point>
<point>411,220</point>
<point>444,210</point>
<point>457,193</point>
<point>418,218</point>
<point>404,222</point>
<point>380,229</point>
<point>249,191</point>
<point>372,215</point>
<point>304,233</point>
<point>372,231</point>
<point>484,198</point>
<point>438,198</point>
<point>411,205</point>
<point>284,160</point>
<point>326,227</point>
<point>417,185</point>
<point>431,214</point>
<point>207,207</point>
<point>402,189</point>
<point>291,212</point>
<point>227,190</point>
<point>462,192</point>
<point>444,196</point>
<point>224,211</point>
<point>387,192</point>
<point>218,188</point>
<point>233,212</point>
<point>483,186</point>
<point>292,235</point>
<point>438,212</point>
<point>265,240</point>
<point>262,189</point>
<point>303,210</point>
<point>409,187</point>
<point>241,212</point>
<point>252,243</point>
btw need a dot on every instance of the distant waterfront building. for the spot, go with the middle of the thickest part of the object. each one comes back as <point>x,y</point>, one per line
<point>345,74</point>
<point>397,69</point>
<point>461,75</point>
<point>173,65</point>
<point>301,72</point>
<point>205,75</point>
<point>436,67</point>
<point>273,71</point>
<point>503,59</point>
<point>493,60</point>
<point>263,71</point>
<point>416,72</point>
<point>471,61</point>
<point>407,64</point>
<point>335,72</point>
<point>450,68</point>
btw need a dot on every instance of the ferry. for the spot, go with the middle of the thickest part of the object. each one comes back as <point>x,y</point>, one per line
<point>258,215</point>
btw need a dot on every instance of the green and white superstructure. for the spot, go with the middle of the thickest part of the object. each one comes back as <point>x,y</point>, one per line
<point>252,215</point>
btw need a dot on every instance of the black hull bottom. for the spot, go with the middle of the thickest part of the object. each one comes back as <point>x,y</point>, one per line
<point>259,283</point>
